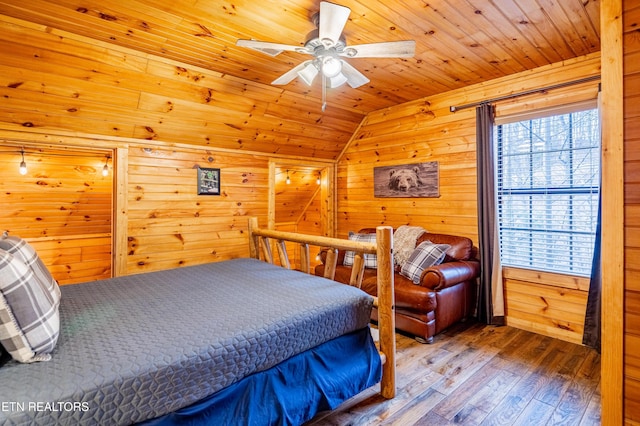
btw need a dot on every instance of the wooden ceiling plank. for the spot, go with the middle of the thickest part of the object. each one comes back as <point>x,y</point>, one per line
<point>476,34</point>
<point>563,16</point>
<point>457,61</point>
<point>526,30</point>
<point>64,87</point>
<point>506,34</point>
<point>80,23</point>
<point>545,32</point>
<point>31,43</point>
<point>577,11</point>
<point>592,11</point>
<point>458,43</point>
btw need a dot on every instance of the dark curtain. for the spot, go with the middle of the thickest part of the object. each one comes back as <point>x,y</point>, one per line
<point>591,336</point>
<point>490,307</point>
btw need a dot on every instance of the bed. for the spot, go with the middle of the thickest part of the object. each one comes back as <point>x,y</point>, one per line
<point>236,342</point>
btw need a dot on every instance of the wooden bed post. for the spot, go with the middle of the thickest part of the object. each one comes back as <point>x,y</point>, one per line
<point>305,263</point>
<point>254,240</point>
<point>357,270</point>
<point>281,245</point>
<point>330,263</point>
<point>386,309</point>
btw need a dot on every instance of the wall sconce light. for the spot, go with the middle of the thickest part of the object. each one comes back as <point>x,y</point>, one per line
<point>23,165</point>
<point>105,169</point>
<point>318,179</point>
<point>288,181</point>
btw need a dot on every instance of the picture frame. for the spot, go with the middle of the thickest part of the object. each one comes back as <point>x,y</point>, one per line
<point>208,181</point>
<point>418,180</point>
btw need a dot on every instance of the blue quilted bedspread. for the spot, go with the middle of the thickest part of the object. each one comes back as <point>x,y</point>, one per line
<point>137,347</point>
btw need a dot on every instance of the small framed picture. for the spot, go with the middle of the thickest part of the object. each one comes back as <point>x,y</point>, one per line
<point>208,181</point>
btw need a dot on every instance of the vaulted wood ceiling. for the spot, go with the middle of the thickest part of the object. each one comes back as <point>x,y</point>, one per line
<point>458,42</point>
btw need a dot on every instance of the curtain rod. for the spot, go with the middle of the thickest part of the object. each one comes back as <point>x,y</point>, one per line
<point>528,92</point>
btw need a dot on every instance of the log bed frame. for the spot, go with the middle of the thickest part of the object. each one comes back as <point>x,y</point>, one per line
<point>260,241</point>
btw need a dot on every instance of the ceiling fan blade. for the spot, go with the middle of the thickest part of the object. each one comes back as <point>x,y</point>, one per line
<point>288,76</point>
<point>389,49</point>
<point>333,18</point>
<point>271,49</point>
<point>354,77</point>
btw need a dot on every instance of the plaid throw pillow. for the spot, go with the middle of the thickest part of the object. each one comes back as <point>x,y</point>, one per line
<point>29,318</point>
<point>370,260</point>
<point>25,252</point>
<point>425,255</point>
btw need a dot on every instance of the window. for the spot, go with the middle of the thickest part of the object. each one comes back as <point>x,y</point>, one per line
<point>548,176</point>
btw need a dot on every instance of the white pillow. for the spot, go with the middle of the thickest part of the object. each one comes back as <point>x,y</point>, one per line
<point>425,255</point>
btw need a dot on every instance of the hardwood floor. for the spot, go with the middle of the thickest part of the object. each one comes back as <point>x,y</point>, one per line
<point>483,375</point>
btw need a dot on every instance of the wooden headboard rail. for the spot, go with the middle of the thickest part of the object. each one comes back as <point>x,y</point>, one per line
<point>260,242</point>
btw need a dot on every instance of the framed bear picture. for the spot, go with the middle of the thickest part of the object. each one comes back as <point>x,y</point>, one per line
<point>407,181</point>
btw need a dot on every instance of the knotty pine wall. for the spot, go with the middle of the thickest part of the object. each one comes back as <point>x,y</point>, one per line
<point>426,130</point>
<point>292,199</point>
<point>631,49</point>
<point>62,206</point>
<point>298,206</point>
<point>170,225</point>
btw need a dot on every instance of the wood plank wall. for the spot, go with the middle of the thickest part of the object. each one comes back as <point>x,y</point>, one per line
<point>62,206</point>
<point>292,199</point>
<point>298,206</point>
<point>170,225</point>
<point>164,222</point>
<point>426,130</point>
<point>631,49</point>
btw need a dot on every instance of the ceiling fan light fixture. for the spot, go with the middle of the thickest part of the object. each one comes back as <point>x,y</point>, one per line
<point>337,80</point>
<point>328,45</point>
<point>331,66</point>
<point>308,73</point>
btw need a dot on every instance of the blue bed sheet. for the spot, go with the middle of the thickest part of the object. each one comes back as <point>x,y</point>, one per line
<point>292,392</point>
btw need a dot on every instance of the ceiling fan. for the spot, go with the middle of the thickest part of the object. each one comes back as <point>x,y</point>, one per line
<point>327,45</point>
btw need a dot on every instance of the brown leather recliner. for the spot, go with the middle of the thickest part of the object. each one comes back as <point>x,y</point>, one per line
<point>445,295</point>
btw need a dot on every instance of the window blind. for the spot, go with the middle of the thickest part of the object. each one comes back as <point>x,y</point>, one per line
<point>548,175</point>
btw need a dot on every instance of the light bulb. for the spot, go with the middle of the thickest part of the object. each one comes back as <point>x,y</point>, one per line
<point>288,181</point>
<point>23,165</point>
<point>105,168</point>
<point>331,66</point>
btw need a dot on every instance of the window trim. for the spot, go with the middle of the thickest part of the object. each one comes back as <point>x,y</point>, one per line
<point>547,112</point>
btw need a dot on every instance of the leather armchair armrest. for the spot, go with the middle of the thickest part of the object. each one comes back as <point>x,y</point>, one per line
<point>449,274</point>
<point>323,256</point>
